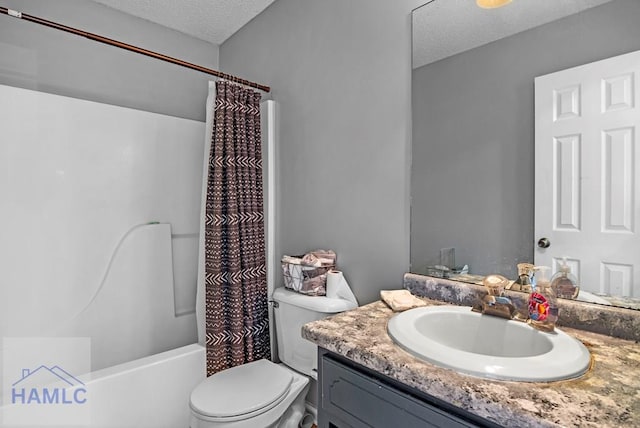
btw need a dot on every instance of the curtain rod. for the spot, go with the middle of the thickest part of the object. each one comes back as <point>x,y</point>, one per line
<point>131,48</point>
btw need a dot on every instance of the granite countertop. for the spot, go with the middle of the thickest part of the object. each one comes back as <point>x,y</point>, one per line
<point>607,396</point>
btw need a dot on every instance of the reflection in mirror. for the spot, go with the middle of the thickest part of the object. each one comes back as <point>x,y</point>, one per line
<point>473,176</point>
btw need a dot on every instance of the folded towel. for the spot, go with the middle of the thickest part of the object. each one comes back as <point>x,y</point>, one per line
<point>317,258</point>
<point>400,300</point>
<point>326,257</point>
<point>291,260</point>
<point>310,260</point>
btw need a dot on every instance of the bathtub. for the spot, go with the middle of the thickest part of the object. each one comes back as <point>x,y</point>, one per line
<point>148,392</point>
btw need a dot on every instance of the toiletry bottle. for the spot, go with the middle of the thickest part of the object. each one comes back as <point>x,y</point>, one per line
<point>543,308</point>
<point>564,283</point>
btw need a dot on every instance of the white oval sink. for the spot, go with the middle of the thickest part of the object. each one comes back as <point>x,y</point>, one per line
<point>483,345</point>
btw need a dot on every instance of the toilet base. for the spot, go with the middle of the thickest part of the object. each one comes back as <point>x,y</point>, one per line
<point>295,412</point>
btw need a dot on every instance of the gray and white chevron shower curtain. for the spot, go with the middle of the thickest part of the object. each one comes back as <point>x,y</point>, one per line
<point>236,312</point>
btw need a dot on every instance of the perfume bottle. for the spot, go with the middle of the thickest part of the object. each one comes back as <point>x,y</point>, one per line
<point>564,283</point>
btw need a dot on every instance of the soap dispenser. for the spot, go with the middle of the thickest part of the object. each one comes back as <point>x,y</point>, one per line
<point>543,308</point>
<point>564,283</point>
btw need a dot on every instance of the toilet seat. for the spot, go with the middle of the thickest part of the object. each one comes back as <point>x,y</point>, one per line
<point>241,392</point>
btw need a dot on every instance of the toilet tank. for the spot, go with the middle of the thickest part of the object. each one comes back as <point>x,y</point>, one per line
<point>292,310</point>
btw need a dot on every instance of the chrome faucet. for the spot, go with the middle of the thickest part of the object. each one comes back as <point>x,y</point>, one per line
<point>495,302</point>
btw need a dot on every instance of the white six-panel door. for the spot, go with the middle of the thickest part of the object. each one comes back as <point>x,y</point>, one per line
<point>587,179</point>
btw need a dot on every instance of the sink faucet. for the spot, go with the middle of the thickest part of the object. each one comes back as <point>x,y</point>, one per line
<point>495,303</point>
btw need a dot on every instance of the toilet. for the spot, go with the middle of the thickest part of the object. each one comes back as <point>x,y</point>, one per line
<point>263,393</point>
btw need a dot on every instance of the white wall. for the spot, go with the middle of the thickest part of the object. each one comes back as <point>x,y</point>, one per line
<point>48,60</point>
<point>341,73</point>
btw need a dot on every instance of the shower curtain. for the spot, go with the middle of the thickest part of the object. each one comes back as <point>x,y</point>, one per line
<point>236,307</point>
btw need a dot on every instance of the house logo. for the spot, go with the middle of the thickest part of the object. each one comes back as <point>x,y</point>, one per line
<point>60,387</point>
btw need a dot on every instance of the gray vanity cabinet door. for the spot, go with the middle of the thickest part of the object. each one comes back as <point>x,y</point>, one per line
<point>350,399</point>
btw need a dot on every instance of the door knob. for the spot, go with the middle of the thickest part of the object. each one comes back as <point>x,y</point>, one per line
<point>544,243</point>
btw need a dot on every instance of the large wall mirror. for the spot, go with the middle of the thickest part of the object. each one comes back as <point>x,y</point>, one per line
<point>473,172</point>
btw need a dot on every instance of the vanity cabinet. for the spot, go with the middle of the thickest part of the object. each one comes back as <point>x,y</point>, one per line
<point>352,396</point>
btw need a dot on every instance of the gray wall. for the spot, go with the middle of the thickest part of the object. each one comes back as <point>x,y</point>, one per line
<point>473,136</point>
<point>341,72</point>
<point>47,60</point>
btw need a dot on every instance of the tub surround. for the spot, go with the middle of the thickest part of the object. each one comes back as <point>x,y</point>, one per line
<point>147,392</point>
<point>608,320</point>
<point>606,396</point>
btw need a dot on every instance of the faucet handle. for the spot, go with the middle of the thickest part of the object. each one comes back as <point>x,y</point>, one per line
<point>495,284</point>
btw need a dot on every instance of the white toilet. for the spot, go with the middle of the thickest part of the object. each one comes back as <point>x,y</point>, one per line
<point>262,393</point>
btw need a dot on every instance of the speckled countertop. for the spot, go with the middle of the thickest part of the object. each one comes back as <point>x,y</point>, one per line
<point>607,396</point>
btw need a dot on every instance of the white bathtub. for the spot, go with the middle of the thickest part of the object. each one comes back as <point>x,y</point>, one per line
<point>149,392</point>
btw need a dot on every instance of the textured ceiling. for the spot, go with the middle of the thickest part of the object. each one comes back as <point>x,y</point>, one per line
<point>442,28</point>
<point>210,20</point>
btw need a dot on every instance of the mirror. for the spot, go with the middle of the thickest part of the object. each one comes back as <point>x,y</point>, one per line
<point>473,172</point>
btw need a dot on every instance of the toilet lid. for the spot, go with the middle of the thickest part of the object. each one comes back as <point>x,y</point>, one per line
<point>242,390</point>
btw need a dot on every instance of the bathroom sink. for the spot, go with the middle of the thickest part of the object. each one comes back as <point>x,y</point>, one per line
<point>487,346</point>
